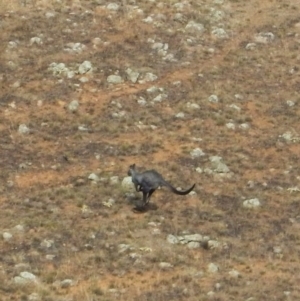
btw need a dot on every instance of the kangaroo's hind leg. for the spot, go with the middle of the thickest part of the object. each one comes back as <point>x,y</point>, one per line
<point>149,195</point>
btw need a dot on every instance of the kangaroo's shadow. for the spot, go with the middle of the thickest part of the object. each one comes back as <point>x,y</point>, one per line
<point>138,204</point>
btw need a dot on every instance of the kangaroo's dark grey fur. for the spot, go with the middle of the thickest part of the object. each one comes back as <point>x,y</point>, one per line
<point>148,181</point>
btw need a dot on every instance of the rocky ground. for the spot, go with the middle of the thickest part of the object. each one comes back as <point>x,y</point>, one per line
<point>205,92</point>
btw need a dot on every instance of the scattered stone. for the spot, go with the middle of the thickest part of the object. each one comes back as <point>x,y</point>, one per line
<point>154,89</point>
<point>244,126</point>
<point>197,152</point>
<point>230,125</point>
<point>220,33</point>
<point>25,278</point>
<point>73,106</point>
<point>36,40</point>
<point>290,103</point>
<point>93,177</point>
<point>23,129</point>
<point>47,243</point>
<point>74,48</point>
<point>113,6</point>
<point>252,203</point>
<point>234,273</point>
<point>132,75</point>
<point>212,268</point>
<point>50,14</point>
<point>193,106</point>
<point>213,98</point>
<point>19,228</point>
<point>264,37</point>
<point>114,79</point>
<point>114,180</point>
<point>250,46</point>
<point>160,97</point>
<point>12,44</point>
<point>217,164</point>
<point>85,67</point>
<point>277,250</point>
<point>180,115</point>
<point>193,237</point>
<point>199,170</point>
<point>213,244</point>
<point>172,239</point>
<point>165,265</point>
<point>7,236</point>
<point>50,256</point>
<point>82,128</point>
<point>34,297</point>
<point>148,77</point>
<point>66,283</point>
<point>193,245</point>
<point>58,69</point>
<point>194,27</point>
<point>127,184</point>
<point>124,247</point>
<point>109,203</point>
<point>142,101</point>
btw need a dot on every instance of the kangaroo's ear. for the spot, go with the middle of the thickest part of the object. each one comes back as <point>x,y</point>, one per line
<point>133,166</point>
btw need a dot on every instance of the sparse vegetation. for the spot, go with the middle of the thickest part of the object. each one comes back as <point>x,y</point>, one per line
<point>60,226</point>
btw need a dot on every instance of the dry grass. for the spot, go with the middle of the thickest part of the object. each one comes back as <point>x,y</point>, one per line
<point>44,174</point>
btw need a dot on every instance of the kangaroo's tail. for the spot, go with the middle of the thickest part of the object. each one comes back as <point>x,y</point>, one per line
<point>180,192</point>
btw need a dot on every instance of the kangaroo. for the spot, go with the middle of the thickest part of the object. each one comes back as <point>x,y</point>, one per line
<point>148,181</point>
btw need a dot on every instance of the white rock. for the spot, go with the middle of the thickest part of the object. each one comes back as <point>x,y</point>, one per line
<point>250,46</point>
<point>93,177</point>
<point>193,106</point>
<point>47,243</point>
<point>264,37</point>
<point>218,165</point>
<point>149,77</point>
<point>234,273</point>
<point>36,40</point>
<point>213,98</point>
<point>290,103</point>
<point>220,33</point>
<point>114,180</point>
<point>193,237</point>
<point>12,45</point>
<point>172,239</point>
<point>197,152</point>
<point>127,184</point>
<point>194,27</point>
<point>212,268</point>
<point>230,125</point>
<point>85,67</point>
<point>114,79</point>
<point>142,101</point>
<point>7,236</point>
<point>180,115</point>
<point>165,265</point>
<point>148,20</point>
<point>199,170</point>
<point>244,126</point>
<point>252,203</point>
<point>49,15</point>
<point>193,245</point>
<point>66,283</point>
<point>113,6</point>
<point>132,75</point>
<point>124,247</point>
<point>28,276</point>
<point>23,129</point>
<point>160,97</point>
<point>73,106</point>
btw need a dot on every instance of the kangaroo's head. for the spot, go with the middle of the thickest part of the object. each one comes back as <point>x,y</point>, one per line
<point>131,170</point>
